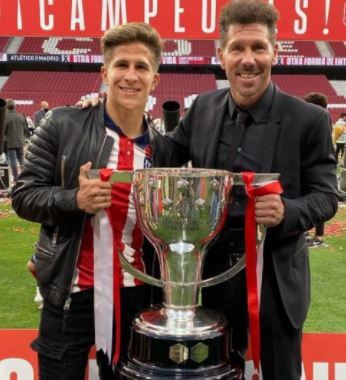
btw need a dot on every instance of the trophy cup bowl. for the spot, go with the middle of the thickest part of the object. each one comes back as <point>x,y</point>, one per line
<point>180,211</point>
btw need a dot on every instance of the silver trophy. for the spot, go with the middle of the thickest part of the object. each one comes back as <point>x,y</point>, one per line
<point>181,210</point>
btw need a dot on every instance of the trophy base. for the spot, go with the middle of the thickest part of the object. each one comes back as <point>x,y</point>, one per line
<point>138,371</point>
<point>181,348</point>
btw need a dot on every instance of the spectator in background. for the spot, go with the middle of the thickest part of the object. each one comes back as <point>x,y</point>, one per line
<point>40,114</point>
<point>15,128</point>
<point>338,131</point>
<point>30,126</point>
<point>318,240</point>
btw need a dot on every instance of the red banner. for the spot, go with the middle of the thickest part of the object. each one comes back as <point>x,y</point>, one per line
<point>324,357</point>
<point>175,19</point>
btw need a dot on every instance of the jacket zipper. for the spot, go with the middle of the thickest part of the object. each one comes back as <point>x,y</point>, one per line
<point>67,304</point>
<point>62,172</point>
<point>62,169</point>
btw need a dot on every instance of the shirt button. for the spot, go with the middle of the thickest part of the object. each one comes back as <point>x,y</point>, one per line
<point>239,149</point>
<point>128,152</point>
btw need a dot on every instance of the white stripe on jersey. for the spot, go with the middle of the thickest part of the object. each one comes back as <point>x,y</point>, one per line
<point>138,160</point>
<point>127,234</point>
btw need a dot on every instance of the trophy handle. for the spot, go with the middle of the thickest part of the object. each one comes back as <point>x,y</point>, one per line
<point>237,267</point>
<point>224,276</point>
<point>137,273</point>
<point>227,275</point>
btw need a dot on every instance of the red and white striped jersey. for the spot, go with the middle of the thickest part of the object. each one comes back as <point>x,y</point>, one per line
<point>127,154</point>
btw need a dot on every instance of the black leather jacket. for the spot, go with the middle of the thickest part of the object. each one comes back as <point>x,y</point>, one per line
<point>46,190</point>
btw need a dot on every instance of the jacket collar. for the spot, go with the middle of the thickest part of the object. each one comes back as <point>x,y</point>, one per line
<point>258,110</point>
<point>272,132</point>
<point>214,126</point>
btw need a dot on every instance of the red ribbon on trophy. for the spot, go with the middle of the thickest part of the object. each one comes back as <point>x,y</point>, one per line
<point>254,258</point>
<point>107,302</point>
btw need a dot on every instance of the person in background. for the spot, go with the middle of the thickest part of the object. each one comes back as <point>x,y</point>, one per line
<point>338,131</point>
<point>56,190</point>
<point>44,108</point>
<point>15,129</point>
<point>318,239</point>
<point>30,127</point>
<point>282,134</point>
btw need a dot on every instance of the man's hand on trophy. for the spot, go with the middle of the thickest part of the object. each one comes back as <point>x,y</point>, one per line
<point>269,210</point>
<point>93,194</point>
<point>138,182</point>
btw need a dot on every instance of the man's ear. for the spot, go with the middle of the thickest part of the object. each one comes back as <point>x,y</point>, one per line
<point>104,75</point>
<point>156,81</point>
<point>276,55</point>
<point>220,54</point>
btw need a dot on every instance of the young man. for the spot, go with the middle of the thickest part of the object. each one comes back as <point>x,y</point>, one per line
<point>55,190</point>
<point>282,134</point>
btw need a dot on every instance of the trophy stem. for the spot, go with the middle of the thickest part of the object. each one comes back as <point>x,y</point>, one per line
<point>181,268</point>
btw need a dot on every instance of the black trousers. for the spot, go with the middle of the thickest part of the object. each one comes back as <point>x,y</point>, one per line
<point>65,339</point>
<point>280,341</point>
<point>319,229</point>
<point>340,148</point>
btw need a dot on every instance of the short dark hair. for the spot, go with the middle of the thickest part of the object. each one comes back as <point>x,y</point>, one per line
<point>10,104</point>
<point>248,12</point>
<point>129,33</point>
<point>317,98</point>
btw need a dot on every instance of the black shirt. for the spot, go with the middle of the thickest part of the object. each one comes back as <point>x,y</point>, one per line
<point>248,158</point>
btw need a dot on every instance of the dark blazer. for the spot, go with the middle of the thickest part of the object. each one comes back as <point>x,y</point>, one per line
<point>296,143</point>
<point>15,126</point>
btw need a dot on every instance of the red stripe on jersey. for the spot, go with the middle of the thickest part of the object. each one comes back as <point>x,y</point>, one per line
<point>86,259</point>
<point>126,230</point>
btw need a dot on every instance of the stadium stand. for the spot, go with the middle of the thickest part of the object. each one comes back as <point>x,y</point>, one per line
<point>48,81</point>
<point>181,88</point>
<point>338,48</point>
<point>29,88</point>
<point>298,49</point>
<point>300,85</point>
<point>3,43</point>
<point>42,45</point>
<point>178,48</point>
<point>83,45</point>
